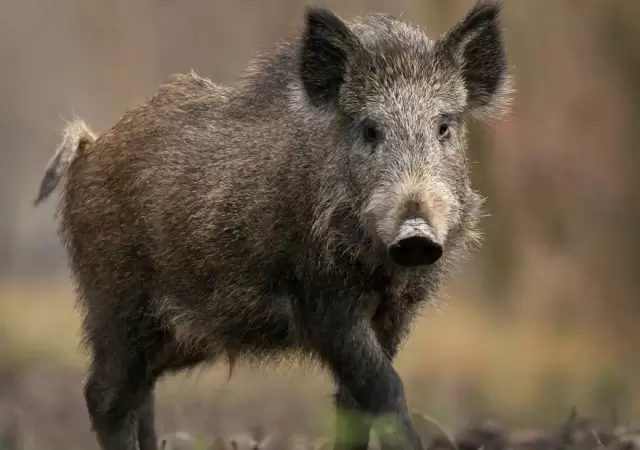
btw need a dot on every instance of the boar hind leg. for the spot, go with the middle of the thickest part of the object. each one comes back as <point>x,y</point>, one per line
<point>114,395</point>
<point>147,437</point>
<point>122,375</point>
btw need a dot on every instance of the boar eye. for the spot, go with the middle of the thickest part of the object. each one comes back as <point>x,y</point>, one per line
<point>444,130</point>
<point>370,132</point>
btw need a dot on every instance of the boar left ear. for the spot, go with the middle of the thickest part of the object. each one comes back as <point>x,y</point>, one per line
<point>477,48</point>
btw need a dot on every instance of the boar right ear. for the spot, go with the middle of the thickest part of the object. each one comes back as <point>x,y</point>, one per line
<point>326,45</point>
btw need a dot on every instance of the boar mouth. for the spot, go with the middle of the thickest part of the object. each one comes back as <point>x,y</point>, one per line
<point>415,245</point>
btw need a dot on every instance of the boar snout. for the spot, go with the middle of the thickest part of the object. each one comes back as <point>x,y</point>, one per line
<point>415,245</point>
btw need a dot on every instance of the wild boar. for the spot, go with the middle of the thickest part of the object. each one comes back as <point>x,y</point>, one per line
<point>310,209</point>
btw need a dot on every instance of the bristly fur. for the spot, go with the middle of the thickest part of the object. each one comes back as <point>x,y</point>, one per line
<point>253,221</point>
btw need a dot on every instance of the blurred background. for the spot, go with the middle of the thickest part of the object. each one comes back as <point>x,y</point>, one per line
<point>544,317</point>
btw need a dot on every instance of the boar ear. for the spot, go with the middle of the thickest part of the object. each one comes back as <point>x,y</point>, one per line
<point>477,48</point>
<point>326,45</point>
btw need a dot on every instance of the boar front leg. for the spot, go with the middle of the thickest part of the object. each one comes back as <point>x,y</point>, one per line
<point>353,425</point>
<point>362,368</point>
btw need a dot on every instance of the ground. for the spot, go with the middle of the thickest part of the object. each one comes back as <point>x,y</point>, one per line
<point>460,367</point>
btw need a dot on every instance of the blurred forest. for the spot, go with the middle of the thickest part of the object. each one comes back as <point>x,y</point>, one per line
<point>543,316</point>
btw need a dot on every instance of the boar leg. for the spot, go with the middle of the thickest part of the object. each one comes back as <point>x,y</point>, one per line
<point>359,364</point>
<point>119,388</point>
<point>353,427</point>
<point>357,425</point>
<point>147,436</point>
<point>114,394</point>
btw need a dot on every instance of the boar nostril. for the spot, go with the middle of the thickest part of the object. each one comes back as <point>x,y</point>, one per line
<point>415,250</point>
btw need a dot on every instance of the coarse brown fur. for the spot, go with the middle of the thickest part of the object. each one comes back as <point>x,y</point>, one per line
<point>256,220</point>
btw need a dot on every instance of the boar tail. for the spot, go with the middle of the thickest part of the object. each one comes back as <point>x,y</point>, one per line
<point>76,137</point>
